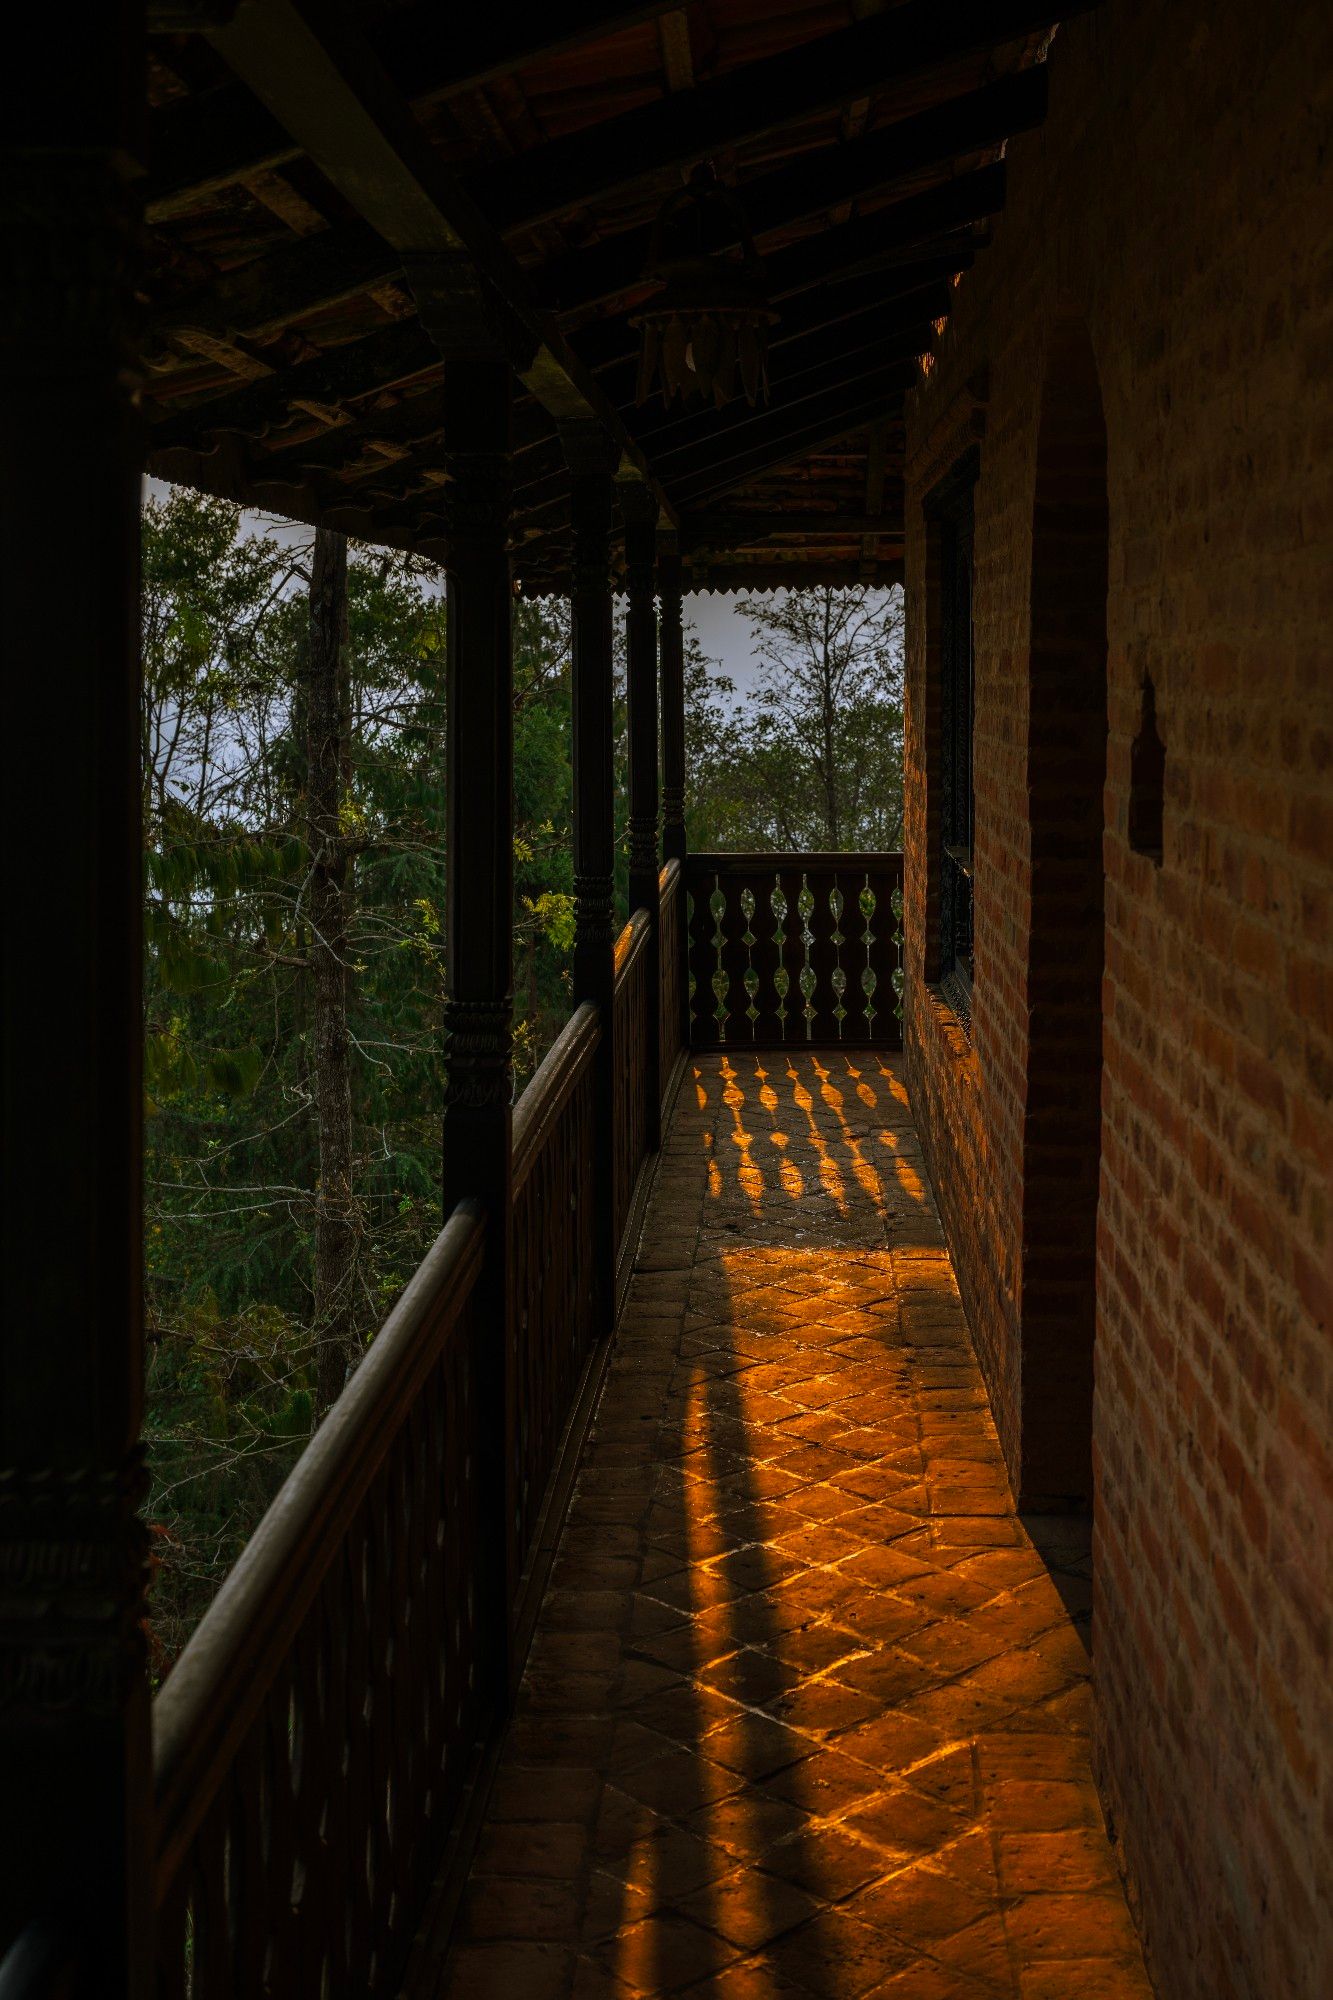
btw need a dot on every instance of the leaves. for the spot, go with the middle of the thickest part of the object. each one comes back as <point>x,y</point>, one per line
<point>232,1158</point>
<point>813,758</point>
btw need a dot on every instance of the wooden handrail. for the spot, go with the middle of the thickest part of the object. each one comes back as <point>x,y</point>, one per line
<point>548,1091</point>
<point>778,858</point>
<point>221,1680</point>
<point>631,942</point>
<point>669,879</point>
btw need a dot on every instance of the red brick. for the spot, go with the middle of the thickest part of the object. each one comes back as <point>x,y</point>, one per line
<point>1214,1286</point>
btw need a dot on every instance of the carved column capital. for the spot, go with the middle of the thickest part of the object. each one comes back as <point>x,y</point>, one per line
<point>594,912</point>
<point>476,502</point>
<point>639,511</point>
<point>463,314</point>
<point>592,461</point>
<point>669,583</point>
<point>590,451</point>
<point>478,1049</point>
<point>73,1580</point>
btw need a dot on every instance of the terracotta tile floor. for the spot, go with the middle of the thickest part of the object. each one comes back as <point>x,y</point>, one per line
<point>807,1712</point>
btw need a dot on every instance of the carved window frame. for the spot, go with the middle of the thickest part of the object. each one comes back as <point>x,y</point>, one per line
<point>949,510</point>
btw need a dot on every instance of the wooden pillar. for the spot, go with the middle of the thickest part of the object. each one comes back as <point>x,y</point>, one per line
<point>75,1763</point>
<point>639,509</point>
<point>479,869</point>
<point>673,745</point>
<point>592,461</point>
<point>673,700</point>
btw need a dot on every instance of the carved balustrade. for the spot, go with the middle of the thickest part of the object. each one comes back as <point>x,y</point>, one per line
<point>554,1245</point>
<point>790,948</point>
<point>313,1743</point>
<point>319,1736</point>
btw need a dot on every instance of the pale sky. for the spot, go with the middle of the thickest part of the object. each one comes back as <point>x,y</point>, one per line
<point>723,633</point>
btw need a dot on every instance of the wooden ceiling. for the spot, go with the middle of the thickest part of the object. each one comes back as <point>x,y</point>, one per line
<point>302,156</point>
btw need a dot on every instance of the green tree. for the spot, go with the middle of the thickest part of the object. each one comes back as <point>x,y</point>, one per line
<point>813,758</point>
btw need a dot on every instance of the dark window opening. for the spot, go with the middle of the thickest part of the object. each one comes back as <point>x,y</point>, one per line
<point>1147,780</point>
<point>951,507</point>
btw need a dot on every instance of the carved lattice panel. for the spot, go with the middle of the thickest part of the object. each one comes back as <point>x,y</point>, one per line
<point>789,949</point>
<point>307,1868</point>
<point>553,1294</point>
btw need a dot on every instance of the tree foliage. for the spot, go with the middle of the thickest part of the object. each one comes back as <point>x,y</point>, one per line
<point>232,1166</point>
<point>813,760</point>
<point>236,928</point>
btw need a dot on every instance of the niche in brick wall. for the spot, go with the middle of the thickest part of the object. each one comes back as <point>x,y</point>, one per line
<point>1147,780</point>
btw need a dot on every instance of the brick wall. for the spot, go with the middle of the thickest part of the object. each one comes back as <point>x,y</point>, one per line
<point>1176,206</point>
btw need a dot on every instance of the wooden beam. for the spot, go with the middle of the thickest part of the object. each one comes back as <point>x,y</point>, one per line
<point>876,464</point>
<point>796,573</point>
<point>673,34</point>
<point>830,365</point>
<point>393,355</point>
<point>329,93</point>
<point>216,138</point>
<point>895,51</point>
<point>822,180</point>
<point>924,295</point>
<point>261,298</point>
<point>745,530</point>
<point>812,427</point>
<point>876,242</point>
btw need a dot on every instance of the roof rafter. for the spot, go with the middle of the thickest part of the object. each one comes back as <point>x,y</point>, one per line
<point>330,94</point>
<point>919,292</point>
<point>324,270</point>
<point>897,48</point>
<point>744,529</point>
<point>819,181</point>
<point>225,136</point>
<point>812,427</point>
<point>828,358</point>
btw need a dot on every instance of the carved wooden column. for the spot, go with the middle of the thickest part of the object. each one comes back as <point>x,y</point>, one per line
<point>75,1763</point>
<point>639,509</point>
<point>673,700</point>
<point>592,461</point>
<point>479,859</point>
<point>673,742</point>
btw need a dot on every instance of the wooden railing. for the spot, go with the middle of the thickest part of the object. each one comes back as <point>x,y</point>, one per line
<point>635,1010</point>
<point>790,948</point>
<point>319,1736</point>
<point>313,1742</point>
<point>671,906</point>
<point>553,1255</point>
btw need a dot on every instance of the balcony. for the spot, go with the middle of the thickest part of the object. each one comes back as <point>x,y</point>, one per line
<point>799,1699</point>
<point>650,1612</point>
